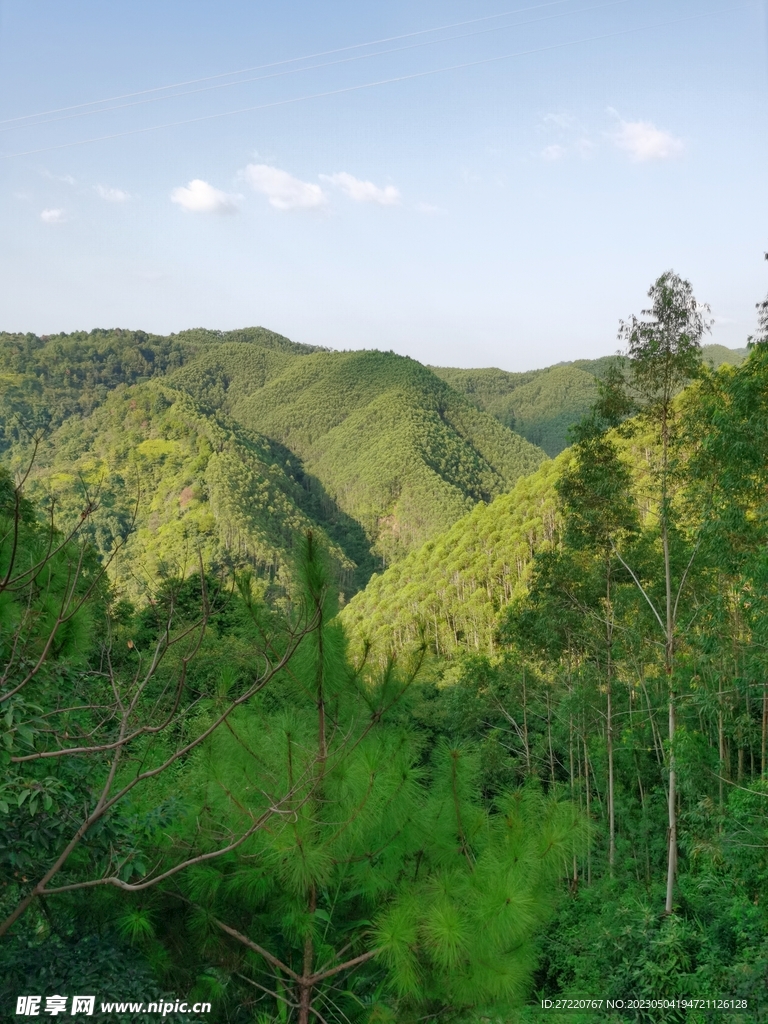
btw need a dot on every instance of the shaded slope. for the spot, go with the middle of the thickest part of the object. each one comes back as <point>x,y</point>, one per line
<point>393,445</point>
<point>206,485</point>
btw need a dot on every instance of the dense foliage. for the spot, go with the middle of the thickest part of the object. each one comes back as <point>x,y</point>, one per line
<point>528,760</point>
<point>543,405</point>
<point>397,449</point>
<point>177,481</point>
<point>371,449</point>
<point>295,837</point>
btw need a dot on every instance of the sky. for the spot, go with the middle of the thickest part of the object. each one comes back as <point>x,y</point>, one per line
<point>484,183</point>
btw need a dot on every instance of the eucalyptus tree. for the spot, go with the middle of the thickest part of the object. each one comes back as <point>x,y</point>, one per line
<point>729,467</point>
<point>600,515</point>
<point>664,354</point>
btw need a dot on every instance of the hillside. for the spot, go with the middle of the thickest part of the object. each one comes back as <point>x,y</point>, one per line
<point>204,484</point>
<point>542,405</point>
<point>44,380</point>
<point>373,449</point>
<point>395,447</point>
<point>455,585</point>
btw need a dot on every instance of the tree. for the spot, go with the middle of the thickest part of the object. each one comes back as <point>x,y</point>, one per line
<point>664,353</point>
<point>600,515</point>
<point>92,710</point>
<point>387,883</point>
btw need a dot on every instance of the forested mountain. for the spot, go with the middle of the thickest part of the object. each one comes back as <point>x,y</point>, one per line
<point>198,485</point>
<point>542,405</point>
<point>370,447</point>
<point>43,380</point>
<point>455,586</point>
<point>396,448</point>
<point>528,760</point>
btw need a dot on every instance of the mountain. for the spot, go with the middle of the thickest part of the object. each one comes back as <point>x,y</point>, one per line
<point>240,441</point>
<point>541,405</point>
<point>203,483</point>
<point>455,585</point>
<point>44,380</point>
<point>396,448</point>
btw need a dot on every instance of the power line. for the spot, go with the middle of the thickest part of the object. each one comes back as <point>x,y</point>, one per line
<point>310,67</point>
<point>289,60</point>
<point>384,81</point>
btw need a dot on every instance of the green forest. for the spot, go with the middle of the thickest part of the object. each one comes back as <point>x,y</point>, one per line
<point>337,688</point>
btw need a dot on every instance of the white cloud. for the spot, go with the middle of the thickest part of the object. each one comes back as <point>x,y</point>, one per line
<point>112,195</point>
<point>553,152</point>
<point>364,191</point>
<point>52,216</point>
<point>200,197</point>
<point>283,190</point>
<point>644,141</point>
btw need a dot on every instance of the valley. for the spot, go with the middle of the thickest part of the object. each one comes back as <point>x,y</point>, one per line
<point>340,687</point>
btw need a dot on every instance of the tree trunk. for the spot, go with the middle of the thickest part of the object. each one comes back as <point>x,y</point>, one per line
<point>586,781</point>
<point>668,658</point>
<point>525,730</point>
<point>549,738</point>
<point>611,805</point>
<point>672,850</point>
<point>609,720</point>
<point>305,985</point>
<point>720,737</point>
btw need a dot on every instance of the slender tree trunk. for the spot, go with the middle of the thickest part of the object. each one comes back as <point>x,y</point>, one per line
<point>305,986</point>
<point>549,738</point>
<point>611,804</point>
<point>609,719</point>
<point>672,858</point>
<point>575,882</point>
<point>720,737</point>
<point>586,781</point>
<point>525,729</point>
<point>668,658</point>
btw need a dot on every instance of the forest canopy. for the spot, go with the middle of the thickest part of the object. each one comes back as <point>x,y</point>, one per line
<point>332,691</point>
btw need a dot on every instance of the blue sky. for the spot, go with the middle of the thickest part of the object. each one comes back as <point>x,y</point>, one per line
<point>506,212</point>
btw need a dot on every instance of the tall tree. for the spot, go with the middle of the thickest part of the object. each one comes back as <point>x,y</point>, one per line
<point>664,354</point>
<point>600,514</point>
